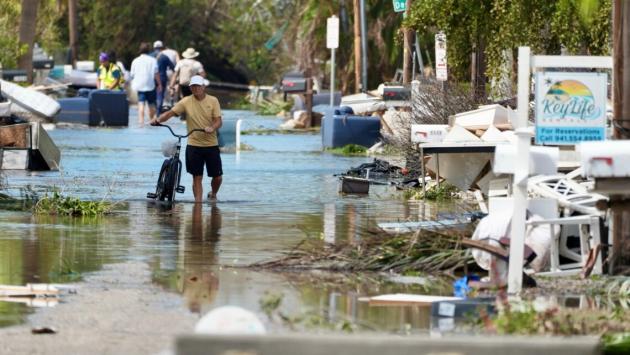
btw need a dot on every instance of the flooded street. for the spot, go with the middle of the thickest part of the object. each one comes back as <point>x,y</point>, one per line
<point>273,196</point>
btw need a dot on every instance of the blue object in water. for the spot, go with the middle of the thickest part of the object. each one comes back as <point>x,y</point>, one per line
<point>227,133</point>
<point>95,108</point>
<point>460,286</point>
<point>74,110</point>
<point>340,130</point>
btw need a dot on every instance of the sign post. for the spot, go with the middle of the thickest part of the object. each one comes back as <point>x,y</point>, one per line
<point>400,5</point>
<point>553,103</point>
<point>332,42</point>
<point>441,73</point>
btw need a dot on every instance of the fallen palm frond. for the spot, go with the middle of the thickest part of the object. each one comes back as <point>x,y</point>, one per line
<point>424,251</point>
<point>273,107</point>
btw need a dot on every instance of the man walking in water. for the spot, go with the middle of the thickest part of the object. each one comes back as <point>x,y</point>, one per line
<point>144,74</point>
<point>204,112</point>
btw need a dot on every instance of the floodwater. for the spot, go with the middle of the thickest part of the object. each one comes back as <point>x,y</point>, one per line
<point>272,197</point>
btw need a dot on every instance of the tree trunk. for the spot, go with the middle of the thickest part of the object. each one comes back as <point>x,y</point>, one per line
<point>619,255</point>
<point>28,23</point>
<point>407,50</point>
<point>357,46</point>
<point>479,72</point>
<point>73,31</point>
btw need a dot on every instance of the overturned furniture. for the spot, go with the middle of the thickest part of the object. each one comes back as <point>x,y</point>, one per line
<point>98,108</point>
<point>340,128</point>
<point>27,146</point>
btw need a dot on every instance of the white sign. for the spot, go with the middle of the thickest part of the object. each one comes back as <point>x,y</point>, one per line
<point>332,32</point>
<point>440,57</point>
<point>570,107</point>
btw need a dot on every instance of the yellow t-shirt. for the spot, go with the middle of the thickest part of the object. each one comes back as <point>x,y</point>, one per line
<point>199,114</point>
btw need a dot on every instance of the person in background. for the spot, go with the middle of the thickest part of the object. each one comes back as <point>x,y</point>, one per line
<point>164,64</point>
<point>108,75</point>
<point>170,95</point>
<point>125,74</point>
<point>186,69</point>
<point>144,77</point>
<point>171,54</point>
<point>204,112</point>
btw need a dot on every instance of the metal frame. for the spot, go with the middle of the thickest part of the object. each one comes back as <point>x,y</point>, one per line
<point>588,240</point>
<point>445,148</point>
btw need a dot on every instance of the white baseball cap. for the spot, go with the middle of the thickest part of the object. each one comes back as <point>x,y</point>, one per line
<point>158,44</point>
<point>198,80</point>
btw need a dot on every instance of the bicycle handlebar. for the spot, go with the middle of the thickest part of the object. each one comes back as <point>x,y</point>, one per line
<point>178,135</point>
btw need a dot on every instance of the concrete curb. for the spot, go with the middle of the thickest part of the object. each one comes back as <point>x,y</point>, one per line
<point>306,344</point>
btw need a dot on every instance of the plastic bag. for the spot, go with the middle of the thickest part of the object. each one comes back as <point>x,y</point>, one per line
<point>169,148</point>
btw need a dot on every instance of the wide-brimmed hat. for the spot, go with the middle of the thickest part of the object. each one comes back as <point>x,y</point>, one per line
<point>190,53</point>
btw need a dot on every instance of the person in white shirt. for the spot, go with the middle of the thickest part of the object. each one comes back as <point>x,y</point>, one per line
<point>144,76</point>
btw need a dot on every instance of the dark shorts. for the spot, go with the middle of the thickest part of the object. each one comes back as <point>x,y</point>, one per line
<point>197,157</point>
<point>147,96</point>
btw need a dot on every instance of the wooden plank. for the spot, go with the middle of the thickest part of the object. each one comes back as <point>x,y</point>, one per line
<point>15,136</point>
<point>30,290</point>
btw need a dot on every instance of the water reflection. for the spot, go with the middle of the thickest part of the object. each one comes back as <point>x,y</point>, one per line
<point>190,264</point>
<point>198,281</point>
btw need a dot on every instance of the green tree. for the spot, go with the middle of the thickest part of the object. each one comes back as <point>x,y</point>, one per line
<point>580,26</point>
<point>10,47</point>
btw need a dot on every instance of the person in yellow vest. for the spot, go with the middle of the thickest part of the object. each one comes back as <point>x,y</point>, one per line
<point>108,76</point>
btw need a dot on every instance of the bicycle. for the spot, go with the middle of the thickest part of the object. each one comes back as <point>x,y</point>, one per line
<point>171,171</point>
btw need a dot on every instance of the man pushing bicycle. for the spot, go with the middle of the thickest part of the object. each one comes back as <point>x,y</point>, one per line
<point>202,112</point>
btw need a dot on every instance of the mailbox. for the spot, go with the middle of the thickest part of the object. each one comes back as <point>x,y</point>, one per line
<point>608,163</point>
<point>43,64</point>
<point>607,159</point>
<point>396,93</point>
<point>294,83</point>
<point>15,75</point>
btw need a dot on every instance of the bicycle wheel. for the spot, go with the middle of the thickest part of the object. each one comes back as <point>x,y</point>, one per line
<point>172,179</point>
<point>163,190</point>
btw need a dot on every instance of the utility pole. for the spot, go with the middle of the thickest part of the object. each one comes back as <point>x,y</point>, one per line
<point>28,24</point>
<point>357,46</point>
<point>364,58</point>
<point>73,31</point>
<point>619,255</point>
<point>407,50</point>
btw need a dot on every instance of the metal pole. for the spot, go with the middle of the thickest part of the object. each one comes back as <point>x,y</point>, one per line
<point>419,54</point>
<point>364,59</point>
<point>521,172</point>
<point>413,66</point>
<point>332,77</point>
<point>238,134</point>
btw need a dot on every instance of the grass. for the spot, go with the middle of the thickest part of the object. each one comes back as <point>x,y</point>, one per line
<point>444,192</point>
<point>57,204</point>
<point>348,150</point>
